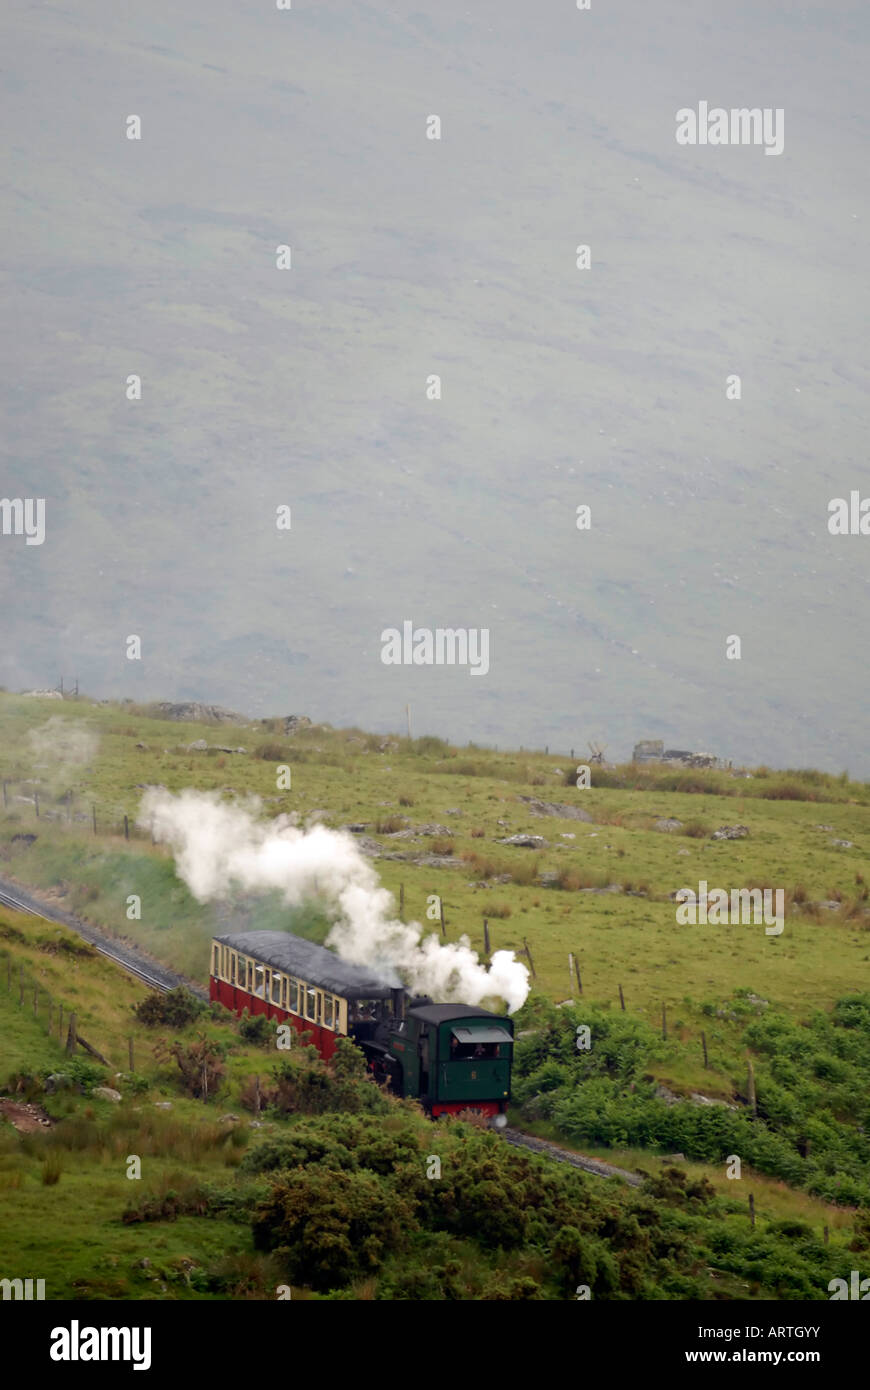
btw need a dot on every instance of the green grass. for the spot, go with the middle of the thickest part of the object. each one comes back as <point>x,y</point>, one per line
<point>628,938</point>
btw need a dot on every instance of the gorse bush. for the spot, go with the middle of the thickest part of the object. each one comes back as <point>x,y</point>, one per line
<point>175,1009</point>
<point>812,1122</point>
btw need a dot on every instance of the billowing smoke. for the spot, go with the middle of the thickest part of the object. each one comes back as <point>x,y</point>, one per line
<point>220,847</point>
<point>59,747</point>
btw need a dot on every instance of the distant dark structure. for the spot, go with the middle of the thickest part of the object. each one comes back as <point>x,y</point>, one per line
<point>652,750</point>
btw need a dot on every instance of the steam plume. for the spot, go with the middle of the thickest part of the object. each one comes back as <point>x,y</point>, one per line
<point>220,846</point>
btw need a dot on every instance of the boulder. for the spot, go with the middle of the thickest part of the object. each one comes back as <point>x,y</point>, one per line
<point>730,832</point>
<point>667,825</point>
<point>555,808</point>
<point>525,841</point>
<point>195,712</point>
<point>106,1093</point>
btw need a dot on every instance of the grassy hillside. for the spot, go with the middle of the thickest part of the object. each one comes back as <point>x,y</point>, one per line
<point>599,887</point>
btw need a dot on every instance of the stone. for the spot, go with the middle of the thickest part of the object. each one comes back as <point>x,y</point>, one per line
<point>163,1105</point>
<point>199,745</point>
<point>107,1093</point>
<point>843,844</point>
<point>525,841</point>
<point>730,832</point>
<point>554,808</point>
<point>667,825</point>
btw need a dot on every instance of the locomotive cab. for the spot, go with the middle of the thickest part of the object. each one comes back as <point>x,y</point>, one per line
<point>454,1057</point>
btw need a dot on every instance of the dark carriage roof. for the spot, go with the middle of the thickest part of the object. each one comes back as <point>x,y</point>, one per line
<point>446,1013</point>
<point>313,964</point>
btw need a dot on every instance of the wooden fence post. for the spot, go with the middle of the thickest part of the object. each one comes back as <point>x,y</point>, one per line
<point>126,829</point>
<point>130,1052</point>
<point>577,973</point>
<point>486,950</point>
<point>71,1037</point>
<point>704,1045</point>
<point>752,1210</point>
<point>443,927</point>
<point>529,957</point>
<point>621,999</point>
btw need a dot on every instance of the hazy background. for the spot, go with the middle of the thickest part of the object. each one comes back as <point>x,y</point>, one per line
<point>457,257</point>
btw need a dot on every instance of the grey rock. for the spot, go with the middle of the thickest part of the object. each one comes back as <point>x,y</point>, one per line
<point>843,844</point>
<point>668,824</point>
<point>525,841</point>
<point>555,808</point>
<point>163,1105</point>
<point>195,712</point>
<point>107,1093</point>
<point>730,832</point>
<point>199,745</point>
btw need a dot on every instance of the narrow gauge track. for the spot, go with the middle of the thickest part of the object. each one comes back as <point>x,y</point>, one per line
<point>155,976</point>
<point>159,978</point>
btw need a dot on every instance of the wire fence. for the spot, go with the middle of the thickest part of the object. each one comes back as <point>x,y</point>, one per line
<point>33,804</point>
<point>58,1020</point>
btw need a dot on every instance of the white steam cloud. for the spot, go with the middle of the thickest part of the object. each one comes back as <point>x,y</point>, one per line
<point>59,746</point>
<point>221,846</point>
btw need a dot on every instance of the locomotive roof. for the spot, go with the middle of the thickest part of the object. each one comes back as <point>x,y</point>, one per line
<point>313,964</point>
<point>446,1013</point>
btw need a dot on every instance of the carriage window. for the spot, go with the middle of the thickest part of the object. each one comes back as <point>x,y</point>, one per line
<point>327,1010</point>
<point>310,1003</point>
<point>293,1002</point>
<point>241,972</point>
<point>259,981</point>
<point>276,987</point>
<point>214,956</point>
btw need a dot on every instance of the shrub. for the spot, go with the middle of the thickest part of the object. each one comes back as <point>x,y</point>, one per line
<point>389,825</point>
<point>258,1029</point>
<point>696,830</point>
<point>200,1064</point>
<point>175,1009</point>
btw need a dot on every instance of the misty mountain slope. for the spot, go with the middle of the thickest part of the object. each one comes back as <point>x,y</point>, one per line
<point>413,257</point>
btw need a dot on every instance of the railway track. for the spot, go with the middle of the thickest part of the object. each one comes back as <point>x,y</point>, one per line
<point>156,977</point>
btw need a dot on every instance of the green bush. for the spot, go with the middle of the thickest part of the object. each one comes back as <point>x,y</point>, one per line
<point>175,1009</point>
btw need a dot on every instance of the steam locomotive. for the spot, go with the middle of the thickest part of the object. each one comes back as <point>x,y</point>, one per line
<point>451,1057</point>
